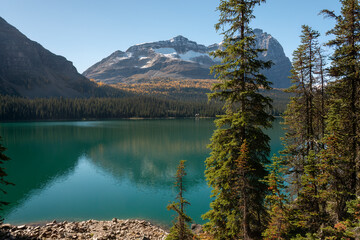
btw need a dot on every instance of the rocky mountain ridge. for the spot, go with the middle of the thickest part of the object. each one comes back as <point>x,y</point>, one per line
<point>27,69</point>
<point>181,58</point>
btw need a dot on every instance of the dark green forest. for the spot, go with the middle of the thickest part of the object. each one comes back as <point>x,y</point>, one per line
<point>311,189</point>
<point>24,109</point>
<point>16,109</point>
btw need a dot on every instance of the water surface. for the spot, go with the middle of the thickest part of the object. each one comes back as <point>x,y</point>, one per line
<point>105,169</point>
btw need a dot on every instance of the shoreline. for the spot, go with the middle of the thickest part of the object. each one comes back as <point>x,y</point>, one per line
<point>42,223</point>
<point>100,119</point>
<point>107,119</point>
<point>90,229</point>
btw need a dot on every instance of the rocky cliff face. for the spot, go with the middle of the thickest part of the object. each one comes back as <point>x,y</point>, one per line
<point>27,69</point>
<point>180,58</point>
<point>280,71</point>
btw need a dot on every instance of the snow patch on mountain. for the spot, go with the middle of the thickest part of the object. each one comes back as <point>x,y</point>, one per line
<point>187,56</point>
<point>150,63</point>
<point>190,55</point>
<point>143,58</point>
<point>167,52</point>
<point>118,59</point>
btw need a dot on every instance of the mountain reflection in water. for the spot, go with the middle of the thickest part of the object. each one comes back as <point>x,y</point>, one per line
<point>105,169</point>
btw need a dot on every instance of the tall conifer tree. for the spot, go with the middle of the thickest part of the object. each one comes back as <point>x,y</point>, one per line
<point>321,97</point>
<point>343,124</point>
<point>305,130</point>
<point>240,149</point>
<point>304,113</point>
<point>302,135</point>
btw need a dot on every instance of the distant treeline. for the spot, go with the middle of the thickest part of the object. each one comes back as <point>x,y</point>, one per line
<point>17,108</point>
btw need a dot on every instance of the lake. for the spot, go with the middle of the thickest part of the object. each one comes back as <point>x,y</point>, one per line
<point>104,169</point>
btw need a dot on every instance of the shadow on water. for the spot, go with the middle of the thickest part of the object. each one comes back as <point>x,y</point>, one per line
<point>144,154</point>
<point>102,169</point>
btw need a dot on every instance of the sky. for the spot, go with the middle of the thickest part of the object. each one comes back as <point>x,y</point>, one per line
<point>86,31</point>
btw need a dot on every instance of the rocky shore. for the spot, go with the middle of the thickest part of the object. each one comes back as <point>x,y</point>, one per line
<point>91,229</point>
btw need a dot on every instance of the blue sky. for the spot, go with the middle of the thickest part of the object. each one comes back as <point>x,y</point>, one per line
<point>86,31</point>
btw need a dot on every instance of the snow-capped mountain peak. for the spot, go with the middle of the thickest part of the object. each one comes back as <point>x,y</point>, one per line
<point>177,58</point>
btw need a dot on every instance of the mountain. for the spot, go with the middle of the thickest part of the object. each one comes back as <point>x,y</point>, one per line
<point>27,69</point>
<point>279,73</point>
<point>180,58</point>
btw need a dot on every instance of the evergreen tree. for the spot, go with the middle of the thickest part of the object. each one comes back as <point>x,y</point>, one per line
<point>3,175</point>
<point>343,120</point>
<point>240,149</point>
<point>300,117</point>
<point>304,114</point>
<point>320,97</point>
<point>277,201</point>
<point>304,119</point>
<point>180,229</point>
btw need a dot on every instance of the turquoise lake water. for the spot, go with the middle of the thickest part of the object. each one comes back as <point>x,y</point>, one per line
<point>105,169</point>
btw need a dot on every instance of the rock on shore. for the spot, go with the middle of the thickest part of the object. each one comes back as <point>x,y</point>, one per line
<point>92,229</point>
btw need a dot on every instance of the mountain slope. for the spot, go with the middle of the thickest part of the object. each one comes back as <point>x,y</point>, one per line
<point>280,71</point>
<point>29,70</point>
<point>180,58</point>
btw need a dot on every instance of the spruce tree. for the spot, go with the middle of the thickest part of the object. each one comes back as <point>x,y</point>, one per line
<point>343,119</point>
<point>320,97</point>
<point>240,148</point>
<point>301,115</point>
<point>304,113</point>
<point>304,119</point>
<point>277,201</point>
<point>3,175</point>
<point>180,229</point>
